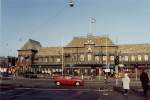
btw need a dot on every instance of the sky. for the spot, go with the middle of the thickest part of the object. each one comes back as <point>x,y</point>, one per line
<point>53,23</point>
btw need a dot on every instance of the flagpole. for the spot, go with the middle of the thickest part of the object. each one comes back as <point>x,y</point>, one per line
<point>106,50</point>
<point>90,26</point>
<point>62,57</point>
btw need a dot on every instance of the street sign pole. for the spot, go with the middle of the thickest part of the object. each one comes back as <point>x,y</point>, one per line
<point>136,73</point>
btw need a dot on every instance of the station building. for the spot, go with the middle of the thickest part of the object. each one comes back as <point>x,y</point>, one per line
<point>84,55</point>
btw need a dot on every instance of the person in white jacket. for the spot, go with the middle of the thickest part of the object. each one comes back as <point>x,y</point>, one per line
<point>126,83</point>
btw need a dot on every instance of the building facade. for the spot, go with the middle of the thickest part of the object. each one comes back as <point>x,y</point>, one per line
<point>84,55</point>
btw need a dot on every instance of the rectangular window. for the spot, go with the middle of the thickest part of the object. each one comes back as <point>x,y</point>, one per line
<point>120,58</point>
<point>126,58</point>
<point>89,57</point>
<point>104,58</point>
<point>132,58</point>
<point>146,57</point>
<point>40,59</point>
<point>45,60</point>
<point>50,59</point>
<point>57,59</point>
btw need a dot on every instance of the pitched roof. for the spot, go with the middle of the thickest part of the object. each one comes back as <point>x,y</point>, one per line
<point>134,48</point>
<point>97,40</point>
<point>31,44</point>
<point>46,51</point>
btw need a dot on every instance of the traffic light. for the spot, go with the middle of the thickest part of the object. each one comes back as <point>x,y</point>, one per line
<point>117,60</point>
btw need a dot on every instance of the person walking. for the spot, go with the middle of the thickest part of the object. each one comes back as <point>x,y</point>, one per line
<point>144,81</point>
<point>126,83</point>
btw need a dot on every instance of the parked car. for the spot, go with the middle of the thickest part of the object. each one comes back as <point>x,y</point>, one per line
<point>68,80</point>
<point>4,75</point>
<point>30,75</point>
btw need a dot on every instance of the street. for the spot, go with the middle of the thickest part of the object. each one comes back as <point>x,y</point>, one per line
<point>41,89</point>
<point>66,94</point>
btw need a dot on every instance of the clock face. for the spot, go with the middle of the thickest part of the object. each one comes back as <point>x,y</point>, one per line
<point>89,48</point>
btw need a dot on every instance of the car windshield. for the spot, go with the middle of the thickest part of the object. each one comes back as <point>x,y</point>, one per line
<point>68,77</point>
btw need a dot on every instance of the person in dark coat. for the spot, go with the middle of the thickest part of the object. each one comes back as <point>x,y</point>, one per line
<point>144,80</point>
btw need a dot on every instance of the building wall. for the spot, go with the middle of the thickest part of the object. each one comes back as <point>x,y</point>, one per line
<point>85,58</point>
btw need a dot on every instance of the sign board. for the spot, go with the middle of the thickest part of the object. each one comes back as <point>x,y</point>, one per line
<point>107,70</point>
<point>121,65</point>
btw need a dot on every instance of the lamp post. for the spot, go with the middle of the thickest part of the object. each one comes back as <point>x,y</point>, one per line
<point>136,71</point>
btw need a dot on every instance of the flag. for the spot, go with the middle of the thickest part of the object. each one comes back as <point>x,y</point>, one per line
<point>30,32</point>
<point>93,20</point>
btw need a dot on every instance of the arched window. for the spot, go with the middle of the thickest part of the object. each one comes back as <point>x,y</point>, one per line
<point>96,58</point>
<point>81,57</point>
<point>21,58</point>
<point>139,57</point>
<point>146,57</point>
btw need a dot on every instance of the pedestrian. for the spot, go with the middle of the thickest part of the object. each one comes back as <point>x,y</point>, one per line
<point>144,81</point>
<point>126,83</point>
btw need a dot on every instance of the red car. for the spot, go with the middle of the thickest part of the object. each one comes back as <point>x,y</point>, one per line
<point>68,80</point>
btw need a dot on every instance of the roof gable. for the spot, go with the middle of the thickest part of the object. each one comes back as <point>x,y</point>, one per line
<point>97,40</point>
<point>31,44</point>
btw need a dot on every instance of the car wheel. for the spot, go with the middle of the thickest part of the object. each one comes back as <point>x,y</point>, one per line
<point>77,83</point>
<point>58,83</point>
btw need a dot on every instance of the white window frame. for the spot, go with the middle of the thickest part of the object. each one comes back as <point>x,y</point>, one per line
<point>126,58</point>
<point>146,57</point>
<point>57,59</point>
<point>139,58</point>
<point>132,58</point>
<point>89,57</point>
<point>104,58</point>
<point>96,58</point>
<point>120,58</point>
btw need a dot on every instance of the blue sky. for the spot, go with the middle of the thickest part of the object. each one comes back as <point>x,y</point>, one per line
<point>53,21</point>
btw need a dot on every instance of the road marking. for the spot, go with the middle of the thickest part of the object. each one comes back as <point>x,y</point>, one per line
<point>97,90</point>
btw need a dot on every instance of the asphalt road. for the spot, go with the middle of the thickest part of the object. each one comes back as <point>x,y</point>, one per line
<point>68,94</point>
<point>45,89</point>
<point>44,83</point>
